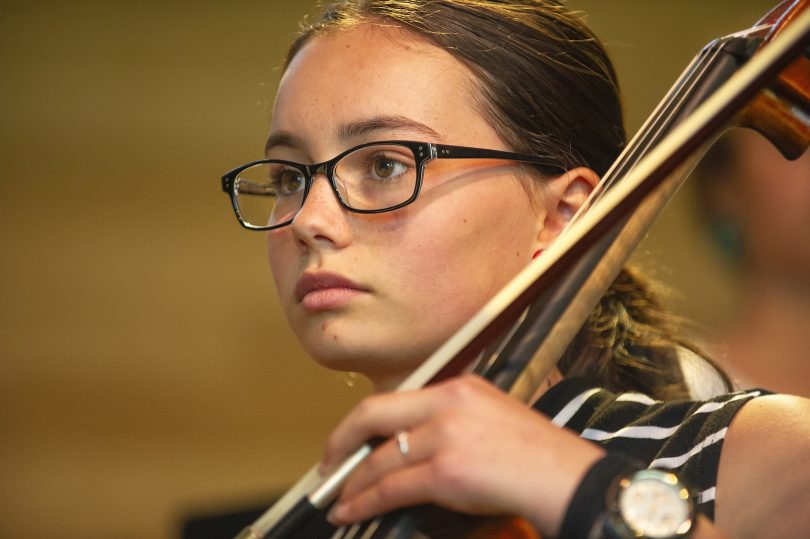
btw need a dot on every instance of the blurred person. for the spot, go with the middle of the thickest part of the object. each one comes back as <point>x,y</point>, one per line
<point>758,211</point>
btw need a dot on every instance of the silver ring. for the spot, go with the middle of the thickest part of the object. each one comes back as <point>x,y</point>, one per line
<point>402,443</point>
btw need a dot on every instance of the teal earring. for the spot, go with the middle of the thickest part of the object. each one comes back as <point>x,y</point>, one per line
<point>727,236</point>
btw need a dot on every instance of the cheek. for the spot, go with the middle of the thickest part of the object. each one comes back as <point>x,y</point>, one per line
<point>775,191</point>
<point>776,204</point>
<point>280,248</point>
<point>465,250</point>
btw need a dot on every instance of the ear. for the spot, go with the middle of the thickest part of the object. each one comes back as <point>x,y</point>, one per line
<point>565,196</point>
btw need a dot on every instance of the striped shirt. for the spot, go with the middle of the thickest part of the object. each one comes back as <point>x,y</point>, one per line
<point>683,436</point>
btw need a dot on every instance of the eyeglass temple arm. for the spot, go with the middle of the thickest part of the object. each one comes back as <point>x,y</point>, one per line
<point>246,186</point>
<point>444,151</point>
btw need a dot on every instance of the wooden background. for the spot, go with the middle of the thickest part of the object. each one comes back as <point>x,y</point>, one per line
<point>146,372</point>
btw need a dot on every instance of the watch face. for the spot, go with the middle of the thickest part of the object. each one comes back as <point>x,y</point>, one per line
<point>654,504</point>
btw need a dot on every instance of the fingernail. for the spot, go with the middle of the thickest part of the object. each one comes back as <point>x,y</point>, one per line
<point>335,514</point>
<point>324,468</point>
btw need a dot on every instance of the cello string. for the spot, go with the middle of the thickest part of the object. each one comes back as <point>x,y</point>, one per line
<point>652,129</point>
<point>666,112</point>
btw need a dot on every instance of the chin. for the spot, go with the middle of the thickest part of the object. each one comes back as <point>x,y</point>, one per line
<point>383,370</point>
<point>335,353</point>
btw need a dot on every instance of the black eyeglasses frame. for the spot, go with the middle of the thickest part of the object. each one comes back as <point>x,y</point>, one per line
<point>423,152</point>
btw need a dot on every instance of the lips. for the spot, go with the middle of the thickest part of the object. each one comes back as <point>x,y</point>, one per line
<point>323,290</point>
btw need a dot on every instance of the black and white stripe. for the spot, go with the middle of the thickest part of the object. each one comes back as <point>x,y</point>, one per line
<point>683,436</point>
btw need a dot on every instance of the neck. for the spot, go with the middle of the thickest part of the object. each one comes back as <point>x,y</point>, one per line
<point>383,382</point>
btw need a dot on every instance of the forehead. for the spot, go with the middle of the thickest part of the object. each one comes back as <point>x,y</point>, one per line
<point>369,71</point>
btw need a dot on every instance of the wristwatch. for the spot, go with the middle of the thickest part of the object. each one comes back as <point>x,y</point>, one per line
<point>650,504</point>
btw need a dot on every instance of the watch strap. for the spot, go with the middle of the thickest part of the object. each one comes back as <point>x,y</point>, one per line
<point>588,506</point>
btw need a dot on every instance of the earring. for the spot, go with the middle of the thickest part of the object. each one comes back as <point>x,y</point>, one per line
<point>727,236</point>
<point>537,253</point>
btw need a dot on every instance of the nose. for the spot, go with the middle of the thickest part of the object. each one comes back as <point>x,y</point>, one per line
<point>321,221</point>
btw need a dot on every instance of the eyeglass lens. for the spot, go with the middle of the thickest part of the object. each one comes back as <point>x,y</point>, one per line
<point>374,177</point>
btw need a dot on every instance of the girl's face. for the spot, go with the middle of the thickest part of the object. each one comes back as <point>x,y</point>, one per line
<point>379,293</point>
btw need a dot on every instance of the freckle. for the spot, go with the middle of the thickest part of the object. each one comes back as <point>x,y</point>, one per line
<point>334,337</point>
<point>464,221</point>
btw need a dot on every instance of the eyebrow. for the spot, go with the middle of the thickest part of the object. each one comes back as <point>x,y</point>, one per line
<point>353,130</point>
<point>360,128</point>
<point>282,138</point>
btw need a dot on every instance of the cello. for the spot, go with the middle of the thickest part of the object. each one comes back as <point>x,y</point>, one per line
<point>538,312</point>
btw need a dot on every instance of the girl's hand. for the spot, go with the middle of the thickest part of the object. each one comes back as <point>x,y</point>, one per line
<point>470,448</point>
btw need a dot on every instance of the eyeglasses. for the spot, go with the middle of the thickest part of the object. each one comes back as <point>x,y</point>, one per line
<point>376,177</point>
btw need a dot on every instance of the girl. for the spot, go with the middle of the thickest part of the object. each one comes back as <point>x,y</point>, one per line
<point>382,242</point>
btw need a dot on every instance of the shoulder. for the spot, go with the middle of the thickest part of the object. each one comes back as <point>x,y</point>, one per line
<point>763,486</point>
<point>772,431</point>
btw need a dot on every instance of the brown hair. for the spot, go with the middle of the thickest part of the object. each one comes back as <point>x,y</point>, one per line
<point>545,83</point>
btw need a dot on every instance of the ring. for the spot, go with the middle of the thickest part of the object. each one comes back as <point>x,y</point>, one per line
<point>402,442</point>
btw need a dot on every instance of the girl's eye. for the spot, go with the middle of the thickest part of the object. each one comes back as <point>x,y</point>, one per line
<point>386,168</point>
<point>289,181</point>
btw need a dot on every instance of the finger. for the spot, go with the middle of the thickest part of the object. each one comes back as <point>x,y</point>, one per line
<point>382,416</point>
<point>401,488</point>
<point>419,445</point>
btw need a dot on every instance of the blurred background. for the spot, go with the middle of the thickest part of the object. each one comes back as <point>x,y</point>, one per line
<point>146,373</point>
